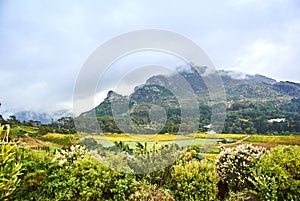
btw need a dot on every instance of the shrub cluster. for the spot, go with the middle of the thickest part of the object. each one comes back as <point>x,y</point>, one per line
<point>70,175</point>
<point>269,176</point>
<point>85,179</point>
<point>74,174</point>
<point>234,165</point>
<point>252,173</point>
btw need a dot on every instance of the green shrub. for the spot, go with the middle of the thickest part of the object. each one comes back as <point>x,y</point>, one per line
<point>277,175</point>
<point>71,174</point>
<point>44,129</point>
<point>234,165</point>
<point>144,191</point>
<point>10,170</point>
<point>34,170</point>
<point>161,178</point>
<point>90,143</point>
<point>80,181</point>
<point>19,133</point>
<point>154,160</point>
<point>85,179</point>
<point>195,180</point>
<point>265,187</point>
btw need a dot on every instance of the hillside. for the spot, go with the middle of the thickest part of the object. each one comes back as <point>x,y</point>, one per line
<point>248,97</point>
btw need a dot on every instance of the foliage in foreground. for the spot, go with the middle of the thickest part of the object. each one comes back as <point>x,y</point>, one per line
<point>277,175</point>
<point>70,175</point>
<point>85,179</point>
<point>75,174</point>
<point>10,170</point>
<point>269,176</point>
<point>194,180</point>
<point>34,170</point>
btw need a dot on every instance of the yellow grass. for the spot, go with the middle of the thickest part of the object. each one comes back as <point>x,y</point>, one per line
<point>212,157</point>
<point>139,137</point>
<point>292,140</point>
<point>28,127</point>
<point>159,137</point>
<point>56,135</point>
<point>213,136</point>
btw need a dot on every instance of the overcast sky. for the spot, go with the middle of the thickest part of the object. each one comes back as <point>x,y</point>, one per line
<point>43,44</point>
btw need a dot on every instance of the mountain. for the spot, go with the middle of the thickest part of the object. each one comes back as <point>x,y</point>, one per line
<point>290,88</point>
<point>247,96</point>
<point>238,87</point>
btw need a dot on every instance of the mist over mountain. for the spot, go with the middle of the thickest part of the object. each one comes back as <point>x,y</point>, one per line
<point>238,87</point>
<point>43,117</point>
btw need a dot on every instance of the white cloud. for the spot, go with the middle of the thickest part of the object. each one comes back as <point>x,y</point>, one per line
<point>276,56</point>
<point>256,56</point>
<point>48,41</point>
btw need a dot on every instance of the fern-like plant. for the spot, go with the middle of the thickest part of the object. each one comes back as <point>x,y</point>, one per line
<point>10,170</point>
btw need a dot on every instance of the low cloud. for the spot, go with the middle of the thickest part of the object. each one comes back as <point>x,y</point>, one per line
<point>45,43</point>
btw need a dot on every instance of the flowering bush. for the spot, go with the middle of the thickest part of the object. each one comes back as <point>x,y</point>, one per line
<point>67,157</point>
<point>234,165</point>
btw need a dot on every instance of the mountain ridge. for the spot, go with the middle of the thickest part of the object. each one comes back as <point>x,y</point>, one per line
<point>251,101</point>
<point>238,86</point>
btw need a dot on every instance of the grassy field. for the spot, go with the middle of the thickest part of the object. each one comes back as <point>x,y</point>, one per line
<point>26,129</point>
<point>161,137</point>
<point>60,140</point>
<point>218,136</point>
<point>56,135</point>
<point>52,146</point>
<point>137,137</point>
<point>182,140</point>
<point>288,140</point>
